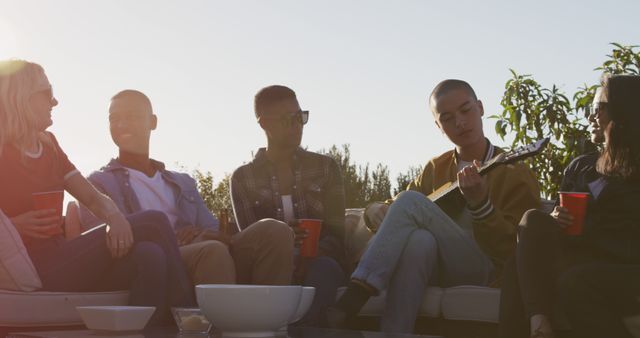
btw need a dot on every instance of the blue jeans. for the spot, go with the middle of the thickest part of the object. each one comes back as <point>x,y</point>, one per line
<point>415,240</point>
<point>153,271</point>
<point>326,275</point>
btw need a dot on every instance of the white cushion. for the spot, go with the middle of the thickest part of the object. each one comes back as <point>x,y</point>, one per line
<point>357,235</point>
<point>29,309</point>
<point>16,269</point>
<point>430,303</point>
<point>474,303</point>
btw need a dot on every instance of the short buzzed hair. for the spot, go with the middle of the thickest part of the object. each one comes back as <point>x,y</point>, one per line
<point>134,94</point>
<point>447,86</point>
<point>270,95</point>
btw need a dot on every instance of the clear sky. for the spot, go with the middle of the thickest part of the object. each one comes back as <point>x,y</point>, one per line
<point>363,68</point>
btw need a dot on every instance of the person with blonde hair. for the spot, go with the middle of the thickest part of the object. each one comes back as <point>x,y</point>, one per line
<point>138,252</point>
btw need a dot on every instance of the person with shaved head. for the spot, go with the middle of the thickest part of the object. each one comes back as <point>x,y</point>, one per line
<point>137,182</point>
<point>417,244</point>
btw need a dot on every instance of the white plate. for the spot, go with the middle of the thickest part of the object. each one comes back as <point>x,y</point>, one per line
<point>116,318</point>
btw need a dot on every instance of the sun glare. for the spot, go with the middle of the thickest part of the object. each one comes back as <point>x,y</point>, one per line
<point>8,41</point>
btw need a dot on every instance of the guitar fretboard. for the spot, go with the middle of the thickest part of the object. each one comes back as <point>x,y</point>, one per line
<point>503,158</point>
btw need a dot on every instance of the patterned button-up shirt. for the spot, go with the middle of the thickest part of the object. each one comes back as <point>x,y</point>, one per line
<point>318,192</point>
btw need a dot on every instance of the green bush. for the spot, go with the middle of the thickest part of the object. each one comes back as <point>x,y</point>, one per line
<point>531,112</point>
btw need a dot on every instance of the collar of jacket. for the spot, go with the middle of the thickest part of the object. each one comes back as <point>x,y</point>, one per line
<point>261,158</point>
<point>488,154</point>
<point>114,165</point>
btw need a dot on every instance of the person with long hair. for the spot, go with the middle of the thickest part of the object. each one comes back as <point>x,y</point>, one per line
<point>138,253</point>
<point>591,280</point>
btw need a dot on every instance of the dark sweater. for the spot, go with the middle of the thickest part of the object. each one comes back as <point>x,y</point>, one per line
<point>612,223</point>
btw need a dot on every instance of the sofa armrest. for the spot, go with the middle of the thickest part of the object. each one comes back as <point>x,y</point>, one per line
<point>357,236</point>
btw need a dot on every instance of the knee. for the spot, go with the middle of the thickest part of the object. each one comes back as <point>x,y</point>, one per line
<point>275,231</point>
<point>537,221</point>
<point>411,196</point>
<point>214,249</point>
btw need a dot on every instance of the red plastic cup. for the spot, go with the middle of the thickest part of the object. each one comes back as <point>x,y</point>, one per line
<point>309,246</point>
<point>576,203</point>
<point>50,200</point>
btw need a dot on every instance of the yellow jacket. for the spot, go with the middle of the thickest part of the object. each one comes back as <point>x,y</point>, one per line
<point>513,189</point>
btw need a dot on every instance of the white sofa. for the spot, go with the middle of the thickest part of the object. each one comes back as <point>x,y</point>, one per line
<point>21,309</point>
<point>48,309</point>
<point>464,303</point>
<point>460,303</point>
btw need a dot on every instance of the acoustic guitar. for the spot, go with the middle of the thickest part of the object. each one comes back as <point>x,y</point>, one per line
<point>449,198</point>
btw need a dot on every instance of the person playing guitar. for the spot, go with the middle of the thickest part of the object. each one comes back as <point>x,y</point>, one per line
<point>446,239</point>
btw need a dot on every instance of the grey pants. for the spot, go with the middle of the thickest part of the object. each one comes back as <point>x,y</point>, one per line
<point>416,240</point>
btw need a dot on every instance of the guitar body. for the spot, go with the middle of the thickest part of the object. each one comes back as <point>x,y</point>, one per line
<point>452,202</point>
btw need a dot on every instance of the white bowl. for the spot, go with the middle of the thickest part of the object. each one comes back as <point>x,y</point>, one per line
<point>248,310</point>
<point>308,292</point>
<point>115,318</point>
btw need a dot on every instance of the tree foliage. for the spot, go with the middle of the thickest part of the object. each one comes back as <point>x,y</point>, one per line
<point>216,199</point>
<point>362,184</point>
<point>403,179</point>
<point>531,112</point>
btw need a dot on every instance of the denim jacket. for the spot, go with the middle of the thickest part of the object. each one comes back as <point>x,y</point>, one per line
<point>113,180</point>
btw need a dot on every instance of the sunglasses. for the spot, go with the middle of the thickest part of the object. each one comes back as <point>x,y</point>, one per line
<point>301,116</point>
<point>596,109</point>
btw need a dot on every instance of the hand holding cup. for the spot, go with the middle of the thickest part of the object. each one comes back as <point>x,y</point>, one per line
<point>48,205</point>
<point>562,216</point>
<point>299,233</point>
<point>312,227</point>
<point>576,205</point>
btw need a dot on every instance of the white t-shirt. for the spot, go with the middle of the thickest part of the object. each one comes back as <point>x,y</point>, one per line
<point>287,208</point>
<point>154,193</point>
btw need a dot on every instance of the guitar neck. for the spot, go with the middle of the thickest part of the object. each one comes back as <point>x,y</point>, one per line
<point>502,158</point>
<point>453,186</point>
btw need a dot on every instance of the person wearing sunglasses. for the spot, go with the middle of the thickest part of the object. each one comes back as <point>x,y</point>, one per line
<point>593,277</point>
<point>137,251</point>
<point>137,182</point>
<point>285,183</point>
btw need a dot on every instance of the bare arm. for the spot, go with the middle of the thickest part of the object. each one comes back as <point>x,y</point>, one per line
<point>119,234</point>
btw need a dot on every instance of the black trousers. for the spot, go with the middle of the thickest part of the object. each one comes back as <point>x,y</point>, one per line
<point>596,296</point>
<point>546,277</point>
